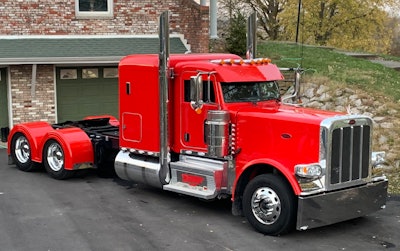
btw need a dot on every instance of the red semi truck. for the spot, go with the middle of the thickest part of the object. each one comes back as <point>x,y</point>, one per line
<point>214,126</point>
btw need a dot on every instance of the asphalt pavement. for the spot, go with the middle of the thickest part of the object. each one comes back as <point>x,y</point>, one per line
<point>93,213</point>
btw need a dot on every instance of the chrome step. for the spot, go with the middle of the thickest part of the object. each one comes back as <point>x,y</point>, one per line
<point>199,177</point>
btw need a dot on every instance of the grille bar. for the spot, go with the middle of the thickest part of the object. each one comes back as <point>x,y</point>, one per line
<point>350,154</point>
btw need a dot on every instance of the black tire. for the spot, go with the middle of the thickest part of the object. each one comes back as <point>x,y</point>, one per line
<point>270,205</point>
<point>21,153</point>
<point>53,159</point>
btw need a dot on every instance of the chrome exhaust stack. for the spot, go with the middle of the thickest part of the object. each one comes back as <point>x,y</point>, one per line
<point>147,167</point>
<point>251,36</point>
<point>163,92</point>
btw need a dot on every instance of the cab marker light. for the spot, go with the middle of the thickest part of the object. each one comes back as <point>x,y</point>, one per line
<point>266,60</point>
<point>256,61</point>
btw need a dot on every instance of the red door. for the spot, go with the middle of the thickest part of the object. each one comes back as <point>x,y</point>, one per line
<point>192,121</point>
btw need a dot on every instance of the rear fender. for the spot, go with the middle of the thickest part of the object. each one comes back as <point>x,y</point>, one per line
<point>77,147</point>
<point>34,132</point>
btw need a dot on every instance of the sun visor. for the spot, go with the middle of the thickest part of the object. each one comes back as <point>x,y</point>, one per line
<point>248,72</point>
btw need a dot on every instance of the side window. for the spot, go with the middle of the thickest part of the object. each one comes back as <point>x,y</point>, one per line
<point>208,96</point>
<point>94,8</point>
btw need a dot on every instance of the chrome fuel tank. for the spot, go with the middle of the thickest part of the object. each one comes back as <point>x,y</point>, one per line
<point>217,133</point>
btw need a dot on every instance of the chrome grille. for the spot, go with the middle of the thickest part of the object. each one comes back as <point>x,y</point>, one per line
<point>350,153</point>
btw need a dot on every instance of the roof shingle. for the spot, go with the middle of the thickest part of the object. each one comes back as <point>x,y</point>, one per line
<point>69,49</point>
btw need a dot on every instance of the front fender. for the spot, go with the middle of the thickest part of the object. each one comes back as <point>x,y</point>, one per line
<point>287,172</point>
<point>76,144</point>
<point>34,132</point>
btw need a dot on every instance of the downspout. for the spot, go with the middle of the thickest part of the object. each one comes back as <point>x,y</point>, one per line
<point>163,93</point>
<point>213,19</point>
<point>33,81</point>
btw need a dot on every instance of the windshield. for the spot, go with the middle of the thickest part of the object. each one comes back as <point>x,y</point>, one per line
<point>250,91</point>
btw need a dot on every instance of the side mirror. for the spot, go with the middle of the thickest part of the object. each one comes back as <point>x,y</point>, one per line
<point>297,76</point>
<point>196,92</point>
<point>196,88</point>
<point>291,94</point>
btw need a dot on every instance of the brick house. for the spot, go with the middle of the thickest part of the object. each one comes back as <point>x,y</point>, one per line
<point>59,58</point>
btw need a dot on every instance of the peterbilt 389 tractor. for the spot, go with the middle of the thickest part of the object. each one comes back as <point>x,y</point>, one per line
<point>214,126</point>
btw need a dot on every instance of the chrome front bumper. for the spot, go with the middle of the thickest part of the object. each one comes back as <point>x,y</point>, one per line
<point>328,208</point>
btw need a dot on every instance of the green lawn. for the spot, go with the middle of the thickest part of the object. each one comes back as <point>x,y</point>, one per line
<point>336,66</point>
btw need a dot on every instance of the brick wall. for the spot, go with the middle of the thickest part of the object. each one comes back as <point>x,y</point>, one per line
<point>57,17</point>
<point>40,105</point>
<point>193,21</point>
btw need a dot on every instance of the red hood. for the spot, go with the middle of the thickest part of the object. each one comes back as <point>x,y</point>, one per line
<point>276,134</point>
<point>275,110</point>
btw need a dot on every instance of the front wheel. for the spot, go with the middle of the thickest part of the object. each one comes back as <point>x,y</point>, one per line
<point>270,205</point>
<point>21,153</point>
<point>53,158</point>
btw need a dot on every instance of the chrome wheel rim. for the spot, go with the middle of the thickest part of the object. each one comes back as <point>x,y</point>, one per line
<point>55,157</point>
<point>266,205</point>
<point>22,150</point>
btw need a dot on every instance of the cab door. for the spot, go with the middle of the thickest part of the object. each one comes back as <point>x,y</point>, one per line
<point>192,122</point>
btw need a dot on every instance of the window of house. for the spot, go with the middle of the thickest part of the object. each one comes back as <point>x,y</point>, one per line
<point>94,8</point>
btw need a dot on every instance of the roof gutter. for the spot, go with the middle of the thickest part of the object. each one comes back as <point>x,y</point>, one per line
<point>61,60</point>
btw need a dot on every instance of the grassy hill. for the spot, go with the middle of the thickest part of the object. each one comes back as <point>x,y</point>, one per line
<point>338,67</point>
<point>378,87</point>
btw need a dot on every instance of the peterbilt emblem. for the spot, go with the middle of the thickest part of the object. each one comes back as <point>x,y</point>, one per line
<point>352,122</point>
<point>286,136</point>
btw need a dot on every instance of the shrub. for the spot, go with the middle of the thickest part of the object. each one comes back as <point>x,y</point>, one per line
<point>236,37</point>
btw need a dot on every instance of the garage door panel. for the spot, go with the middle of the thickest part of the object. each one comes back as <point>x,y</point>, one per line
<point>68,89</point>
<point>68,115</point>
<point>3,99</point>
<point>78,98</point>
<point>91,90</point>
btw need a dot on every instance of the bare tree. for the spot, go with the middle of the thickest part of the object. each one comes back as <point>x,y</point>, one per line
<point>230,8</point>
<point>268,15</point>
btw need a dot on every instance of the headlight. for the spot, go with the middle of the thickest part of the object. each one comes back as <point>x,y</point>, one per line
<point>310,171</point>
<point>311,177</point>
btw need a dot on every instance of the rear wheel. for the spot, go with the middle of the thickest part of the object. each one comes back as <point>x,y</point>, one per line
<point>53,158</point>
<point>21,152</point>
<point>270,205</point>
